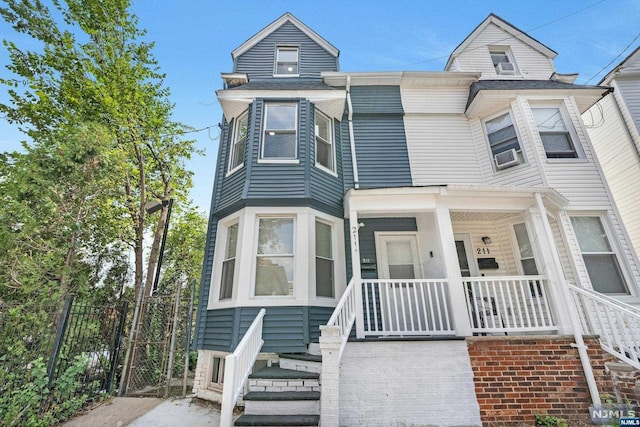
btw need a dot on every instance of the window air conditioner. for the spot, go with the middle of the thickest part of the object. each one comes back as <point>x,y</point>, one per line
<point>506,68</point>
<point>506,159</point>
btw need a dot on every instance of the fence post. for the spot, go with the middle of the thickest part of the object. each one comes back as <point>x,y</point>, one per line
<point>57,343</point>
<point>188,343</point>
<point>116,345</point>
<point>172,345</point>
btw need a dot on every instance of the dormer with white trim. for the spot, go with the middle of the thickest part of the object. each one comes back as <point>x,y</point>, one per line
<point>499,50</point>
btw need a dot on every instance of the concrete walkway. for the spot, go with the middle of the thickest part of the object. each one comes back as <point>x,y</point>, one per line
<point>146,411</point>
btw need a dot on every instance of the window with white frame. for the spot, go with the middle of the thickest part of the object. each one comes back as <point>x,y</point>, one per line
<point>217,371</point>
<point>599,257</point>
<point>554,133</point>
<point>280,138</point>
<point>503,141</point>
<point>502,62</point>
<point>229,263</point>
<point>527,260</point>
<point>286,61</point>
<point>325,147</point>
<point>274,258</point>
<point>324,261</point>
<point>239,142</point>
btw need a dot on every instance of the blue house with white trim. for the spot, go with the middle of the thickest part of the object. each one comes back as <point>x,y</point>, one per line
<point>433,206</point>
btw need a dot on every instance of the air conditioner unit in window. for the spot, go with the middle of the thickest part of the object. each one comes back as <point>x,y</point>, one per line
<point>506,68</point>
<point>506,159</point>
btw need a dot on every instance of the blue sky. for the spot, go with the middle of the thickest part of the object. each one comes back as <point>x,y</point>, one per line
<point>194,39</point>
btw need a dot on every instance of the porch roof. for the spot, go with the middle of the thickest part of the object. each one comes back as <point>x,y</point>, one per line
<point>477,198</point>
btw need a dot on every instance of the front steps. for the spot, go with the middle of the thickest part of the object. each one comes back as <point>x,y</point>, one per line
<point>284,395</point>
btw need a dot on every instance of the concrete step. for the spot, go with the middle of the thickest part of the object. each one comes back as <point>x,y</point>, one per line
<point>277,379</point>
<point>276,372</point>
<point>275,403</point>
<point>278,420</point>
<point>301,362</point>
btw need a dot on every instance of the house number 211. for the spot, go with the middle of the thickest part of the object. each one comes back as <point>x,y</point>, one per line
<point>483,251</point>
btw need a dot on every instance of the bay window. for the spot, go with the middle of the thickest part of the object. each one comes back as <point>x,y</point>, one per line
<point>325,148</point>
<point>554,133</point>
<point>324,261</point>
<point>274,258</point>
<point>280,136</point>
<point>229,263</point>
<point>238,143</point>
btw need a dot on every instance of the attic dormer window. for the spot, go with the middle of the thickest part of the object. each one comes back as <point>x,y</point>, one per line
<point>286,61</point>
<point>502,61</point>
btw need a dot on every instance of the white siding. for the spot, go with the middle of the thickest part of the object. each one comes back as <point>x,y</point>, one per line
<point>438,100</point>
<point>500,248</point>
<point>565,256</point>
<point>531,63</point>
<point>630,91</point>
<point>620,162</point>
<point>441,150</point>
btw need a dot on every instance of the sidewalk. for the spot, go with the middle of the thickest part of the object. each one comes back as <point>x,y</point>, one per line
<point>146,411</point>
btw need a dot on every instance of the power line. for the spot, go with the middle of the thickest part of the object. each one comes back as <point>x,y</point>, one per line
<point>614,59</point>
<point>506,38</point>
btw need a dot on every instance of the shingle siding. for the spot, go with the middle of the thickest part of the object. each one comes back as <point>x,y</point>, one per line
<point>259,61</point>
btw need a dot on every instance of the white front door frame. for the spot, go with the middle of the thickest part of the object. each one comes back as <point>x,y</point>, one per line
<point>382,257</point>
<point>468,249</point>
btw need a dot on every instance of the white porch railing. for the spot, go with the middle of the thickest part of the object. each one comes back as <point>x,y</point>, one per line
<point>406,307</point>
<point>617,323</point>
<point>238,367</point>
<point>344,315</point>
<point>508,304</point>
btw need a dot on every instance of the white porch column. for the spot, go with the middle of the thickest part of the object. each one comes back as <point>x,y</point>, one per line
<point>354,226</point>
<point>547,253</point>
<point>457,300</point>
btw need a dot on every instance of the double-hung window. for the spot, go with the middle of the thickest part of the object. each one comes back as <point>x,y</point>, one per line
<point>286,61</point>
<point>239,142</point>
<point>325,148</point>
<point>502,61</point>
<point>503,141</point>
<point>599,257</point>
<point>229,263</point>
<point>274,258</point>
<point>554,134</point>
<point>324,261</point>
<point>280,136</point>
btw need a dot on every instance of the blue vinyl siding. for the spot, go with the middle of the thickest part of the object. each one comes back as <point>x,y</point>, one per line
<point>205,281</point>
<point>278,180</point>
<point>259,61</point>
<point>376,100</point>
<point>285,329</point>
<point>324,187</point>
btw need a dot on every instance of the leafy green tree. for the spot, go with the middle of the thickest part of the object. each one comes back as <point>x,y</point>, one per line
<point>91,68</point>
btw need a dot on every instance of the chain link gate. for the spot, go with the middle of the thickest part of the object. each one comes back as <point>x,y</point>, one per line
<point>159,350</point>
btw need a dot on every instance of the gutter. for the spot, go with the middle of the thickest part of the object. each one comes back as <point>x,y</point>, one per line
<point>352,140</point>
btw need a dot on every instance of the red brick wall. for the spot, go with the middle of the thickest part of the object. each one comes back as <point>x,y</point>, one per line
<point>519,377</point>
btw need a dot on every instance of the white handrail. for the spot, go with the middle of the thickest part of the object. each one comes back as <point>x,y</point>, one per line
<point>344,315</point>
<point>616,323</point>
<point>238,367</point>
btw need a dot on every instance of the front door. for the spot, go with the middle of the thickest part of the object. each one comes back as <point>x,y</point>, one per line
<point>398,256</point>
<point>399,265</point>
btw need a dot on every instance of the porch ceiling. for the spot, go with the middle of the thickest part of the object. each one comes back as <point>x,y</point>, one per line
<point>481,216</point>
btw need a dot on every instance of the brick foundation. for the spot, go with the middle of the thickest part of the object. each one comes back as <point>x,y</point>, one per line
<point>518,377</point>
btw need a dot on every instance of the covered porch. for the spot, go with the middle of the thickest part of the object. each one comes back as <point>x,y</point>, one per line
<point>455,261</point>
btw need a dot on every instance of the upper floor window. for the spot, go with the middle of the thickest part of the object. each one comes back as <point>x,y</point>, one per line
<point>503,140</point>
<point>286,61</point>
<point>324,261</point>
<point>325,148</point>
<point>239,142</point>
<point>229,263</point>
<point>502,61</point>
<point>554,133</point>
<point>598,255</point>
<point>274,258</point>
<point>280,137</point>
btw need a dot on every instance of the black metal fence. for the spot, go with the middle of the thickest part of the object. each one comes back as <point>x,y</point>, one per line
<point>70,333</point>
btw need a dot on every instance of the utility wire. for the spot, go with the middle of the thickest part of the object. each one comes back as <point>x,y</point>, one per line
<point>506,38</point>
<point>614,59</point>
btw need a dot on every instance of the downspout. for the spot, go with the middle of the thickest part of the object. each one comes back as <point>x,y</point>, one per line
<point>577,328</point>
<point>352,140</point>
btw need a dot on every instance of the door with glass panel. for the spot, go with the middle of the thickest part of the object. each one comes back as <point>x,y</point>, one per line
<point>400,297</point>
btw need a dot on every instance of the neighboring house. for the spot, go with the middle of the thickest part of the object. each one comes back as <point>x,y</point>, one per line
<point>435,212</point>
<point>614,127</point>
